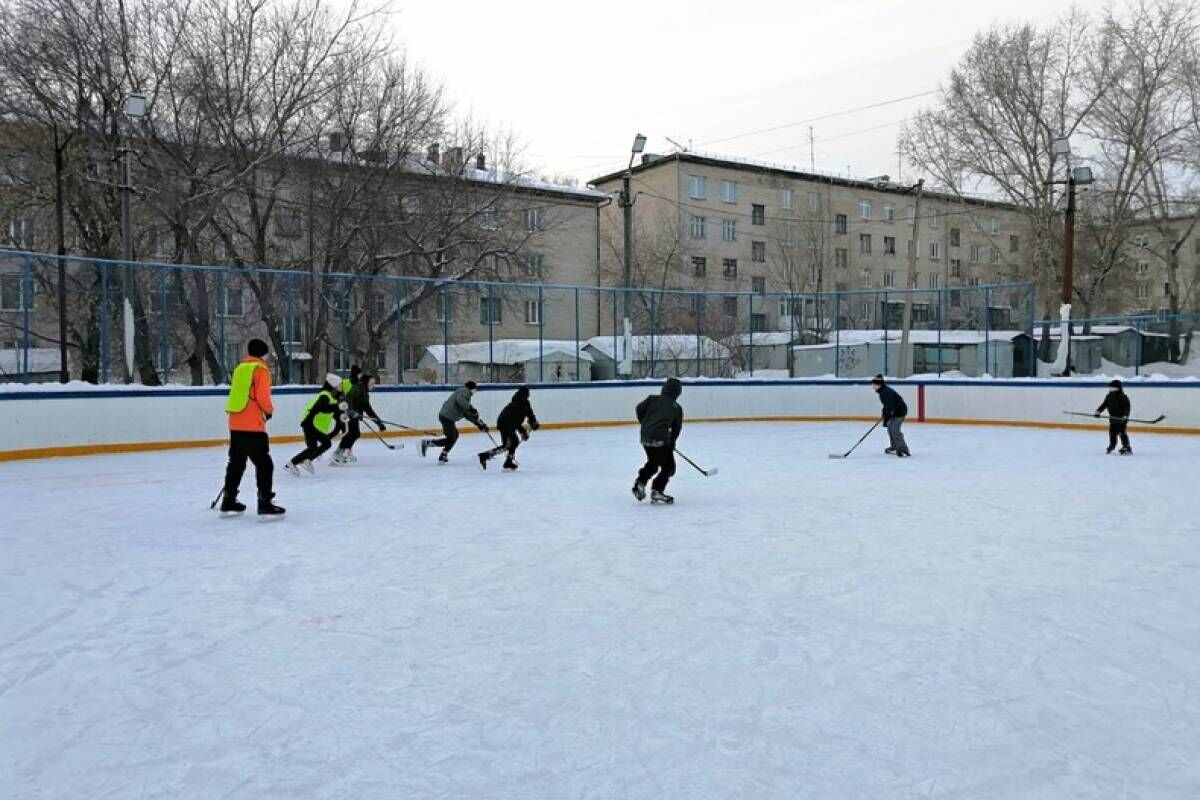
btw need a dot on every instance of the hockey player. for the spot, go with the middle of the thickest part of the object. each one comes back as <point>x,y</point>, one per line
<point>249,407</point>
<point>359,405</point>
<point>511,425</point>
<point>318,424</point>
<point>456,407</point>
<point>1117,404</point>
<point>894,412</point>
<point>662,420</point>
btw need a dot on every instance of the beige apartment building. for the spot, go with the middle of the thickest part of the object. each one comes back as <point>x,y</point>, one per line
<point>719,224</point>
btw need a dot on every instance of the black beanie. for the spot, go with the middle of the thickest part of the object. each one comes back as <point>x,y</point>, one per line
<point>257,348</point>
<point>1115,384</point>
<point>672,387</point>
<point>521,392</point>
<point>470,384</point>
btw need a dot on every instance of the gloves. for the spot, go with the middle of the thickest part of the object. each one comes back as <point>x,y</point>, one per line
<point>535,425</point>
<point>379,424</point>
<point>482,426</point>
<point>266,416</point>
<point>524,434</point>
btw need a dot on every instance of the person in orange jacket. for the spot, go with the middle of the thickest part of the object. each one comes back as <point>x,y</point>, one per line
<point>249,407</point>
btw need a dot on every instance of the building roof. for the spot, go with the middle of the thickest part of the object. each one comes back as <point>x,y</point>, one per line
<point>766,338</point>
<point>651,161</point>
<point>666,346</point>
<point>948,338</point>
<point>505,351</point>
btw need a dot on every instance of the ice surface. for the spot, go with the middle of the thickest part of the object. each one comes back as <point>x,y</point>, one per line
<point>961,624</point>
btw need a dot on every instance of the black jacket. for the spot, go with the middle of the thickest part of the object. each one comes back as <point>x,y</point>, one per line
<point>893,403</point>
<point>1116,404</point>
<point>516,412</point>
<point>323,406</point>
<point>359,400</point>
<point>662,420</point>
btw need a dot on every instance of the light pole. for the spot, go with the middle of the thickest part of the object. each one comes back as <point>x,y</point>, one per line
<point>135,108</point>
<point>1078,176</point>
<point>625,201</point>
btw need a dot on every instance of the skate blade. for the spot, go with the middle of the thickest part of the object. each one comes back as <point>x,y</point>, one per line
<point>231,514</point>
<point>264,518</point>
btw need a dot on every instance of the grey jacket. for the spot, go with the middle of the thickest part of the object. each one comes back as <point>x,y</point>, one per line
<point>458,406</point>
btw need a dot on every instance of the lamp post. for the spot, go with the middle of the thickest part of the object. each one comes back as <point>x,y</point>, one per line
<point>1078,176</point>
<point>625,201</point>
<point>135,108</point>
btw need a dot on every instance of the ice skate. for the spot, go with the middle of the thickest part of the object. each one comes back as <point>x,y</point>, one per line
<point>308,466</point>
<point>444,457</point>
<point>891,451</point>
<point>1126,451</point>
<point>510,465</point>
<point>266,508</point>
<point>230,507</point>
<point>483,459</point>
<point>639,491</point>
<point>291,469</point>
<point>661,498</point>
<point>424,446</point>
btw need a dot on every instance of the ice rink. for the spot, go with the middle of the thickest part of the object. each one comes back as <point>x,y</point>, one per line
<point>1008,614</point>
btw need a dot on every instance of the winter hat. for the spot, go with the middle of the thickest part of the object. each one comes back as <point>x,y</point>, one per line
<point>1114,384</point>
<point>672,387</point>
<point>333,379</point>
<point>471,384</point>
<point>257,348</point>
<point>521,393</point>
<point>877,380</point>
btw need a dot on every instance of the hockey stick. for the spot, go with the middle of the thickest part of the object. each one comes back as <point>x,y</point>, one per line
<point>220,494</point>
<point>407,428</point>
<point>1159,419</point>
<point>856,444</point>
<point>700,469</point>
<point>379,435</point>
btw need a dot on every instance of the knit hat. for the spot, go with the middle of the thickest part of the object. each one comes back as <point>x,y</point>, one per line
<point>878,379</point>
<point>333,379</point>
<point>1114,384</point>
<point>257,348</point>
<point>672,387</point>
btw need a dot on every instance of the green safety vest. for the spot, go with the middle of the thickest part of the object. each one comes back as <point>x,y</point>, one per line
<point>322,422</point>
<point>345,386</point>
<point>240,385</point>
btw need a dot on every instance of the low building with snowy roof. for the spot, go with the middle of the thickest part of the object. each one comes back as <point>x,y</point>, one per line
<point>661,356</point>
<point>766,350</point>
<point>506,361</point>
<point>864,353</point>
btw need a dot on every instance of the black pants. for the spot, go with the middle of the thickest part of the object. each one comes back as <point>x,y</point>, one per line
<point>510,440</point>
<point>352,433</point>
<point>449,434</point>
<point>315,443</point>
<point>254,446</point>
<point>660,460</point>
<point>1116,429</point>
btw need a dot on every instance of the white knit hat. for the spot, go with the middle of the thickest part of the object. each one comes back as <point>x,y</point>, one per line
<point>333,379</point>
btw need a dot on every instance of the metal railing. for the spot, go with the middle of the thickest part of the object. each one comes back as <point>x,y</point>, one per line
<point>157,323</point>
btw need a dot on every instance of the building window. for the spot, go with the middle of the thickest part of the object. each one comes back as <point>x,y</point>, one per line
<point>697,227</point>
<point>699,266</point>
<point>445,307</point>
<point>758,215</point>
<point>785,200</point>
<point>935,280</point>
<point>889,213</point>
<point>293,332</point>
<point>758,323</point>
<point>234,351</point>
<point>956,268</point>
<point>533,312</point>
<point>889,245</point>
<point>534,262</point>
<point>341,359</point>
<point>935,218</point>
<point>20,233</point>
<point>1196,245</point>
<point>864,209</point>
<point>995,225</point>
<point>935,250</point>
<point>697,187</point>
<point>758,252</point>
<point>489,218</point>
<point>1143,267</point>
<point>814,201</point>
<point>976,252</point>
<point>730,306</point>
<point>995,255</point>
<point>12,298</point>
<point>729,230</point>
<point>380,361</point>
<point>412,355</point>
<point>535,220</point>
<point>955,237</point>
<point>288,224</point>
<point>229,303</point>
<point>729,191</point>
<point>1167,289</point>
<point>729,267</point>
<point>1141,240</point>
<point>914,249</point>
<point>972,282</point>
<point>864,243</point>
<point>758,284</point>
<point>1143,291</point>
<point>490,310</point>
<point>409,312</point>
<point>889,278</point>
<point>840,224</point>
<point>864,279</point>
<point>1014,244</point>
<point>841,257</point>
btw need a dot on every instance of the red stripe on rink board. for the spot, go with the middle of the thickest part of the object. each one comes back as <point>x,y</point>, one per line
<point>920,402</point>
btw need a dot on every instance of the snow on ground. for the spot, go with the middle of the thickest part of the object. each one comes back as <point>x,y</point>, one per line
<point>1009,614</point>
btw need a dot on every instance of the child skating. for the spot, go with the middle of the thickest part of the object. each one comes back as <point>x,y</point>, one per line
<point>457,406</point>
<point>511,425</point>
<point>1118,406</point>
<point>318,425</point>
<point>662,420</point>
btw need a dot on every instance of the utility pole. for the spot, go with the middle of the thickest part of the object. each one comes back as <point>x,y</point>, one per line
<point>64,373</point>
<point>906,328</point>
<point>625,201</point>
<point>1068,268</point>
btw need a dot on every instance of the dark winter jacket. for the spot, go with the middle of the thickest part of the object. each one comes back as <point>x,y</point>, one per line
<point>662,420</point>
<point>893,404</point>
<point>516,412</point>
<point>359,400</point>
<point>459,406</point>
<point>1116,404</point>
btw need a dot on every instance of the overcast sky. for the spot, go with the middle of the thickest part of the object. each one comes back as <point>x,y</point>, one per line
<point>576,81</point>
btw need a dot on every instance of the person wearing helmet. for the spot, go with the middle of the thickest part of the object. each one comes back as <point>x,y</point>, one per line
<point>1118,406</point>
<point>318,424</point>
<point>661,421</point>
<point>511,425</point>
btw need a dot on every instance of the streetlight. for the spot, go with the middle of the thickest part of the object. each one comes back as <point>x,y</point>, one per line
<point>625,201</point>
<point>135,108</point>
<point>1079,176</point>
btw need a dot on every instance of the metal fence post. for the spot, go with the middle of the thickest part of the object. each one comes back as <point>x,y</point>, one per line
<point>987,332</point>
<point>940,325</point>
<point>750,322</point>
<point>886,322</point>
<point>104,312</point>
<point>446,332</point>
<point>541,338</point>
<point>837,334</point>
<point>26,302</point>
<point>226,368</point>
<point>576,333</point>
<point>164,344</point>
<point>396,294</point>
<point>698,305</point>
<point>491,323</point>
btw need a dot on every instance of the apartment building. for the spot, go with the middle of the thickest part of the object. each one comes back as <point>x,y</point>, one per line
<point>720,224</point>
<point>1153,251</point>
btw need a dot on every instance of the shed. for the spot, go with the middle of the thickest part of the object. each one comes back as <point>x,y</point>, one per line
<point>679,355</point>
<point>43,365</point>
<point>1087,352</point>
<point>863,353</point>
<point>507,360</point>
<point>1129,347</point>
<point>766,350</point>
